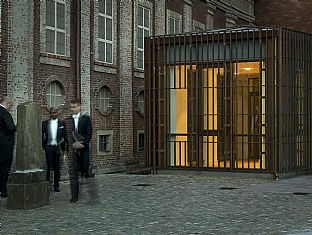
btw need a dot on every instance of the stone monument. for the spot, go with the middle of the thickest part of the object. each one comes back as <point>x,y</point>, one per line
<point>28,188</point>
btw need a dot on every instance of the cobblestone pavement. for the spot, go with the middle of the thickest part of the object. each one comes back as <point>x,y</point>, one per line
<point>171,204</point>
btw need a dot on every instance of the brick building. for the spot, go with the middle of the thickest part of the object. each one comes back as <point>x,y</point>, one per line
<point>292,14</point>
<point>55,50</point>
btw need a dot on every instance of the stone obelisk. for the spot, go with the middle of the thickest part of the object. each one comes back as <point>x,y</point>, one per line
<point>28,188</point>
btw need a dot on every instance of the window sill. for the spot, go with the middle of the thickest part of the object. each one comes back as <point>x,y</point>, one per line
<point>139,73</point>
<point>104,67</point>
<point>102,153</point>
<point>105,113</point>
<point>57,60</point>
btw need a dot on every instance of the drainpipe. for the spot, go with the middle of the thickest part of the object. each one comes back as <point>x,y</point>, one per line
<point>78,50</point>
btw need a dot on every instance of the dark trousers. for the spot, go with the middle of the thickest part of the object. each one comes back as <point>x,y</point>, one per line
<point>79,163</point>
<point>53,160</point>
<point>5,167</point>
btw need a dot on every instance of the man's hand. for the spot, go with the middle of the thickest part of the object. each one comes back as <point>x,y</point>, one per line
<point>78,145</point>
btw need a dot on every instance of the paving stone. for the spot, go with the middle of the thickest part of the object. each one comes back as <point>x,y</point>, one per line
<point>170,204</point>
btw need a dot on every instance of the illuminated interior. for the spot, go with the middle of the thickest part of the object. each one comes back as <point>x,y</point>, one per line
<point>201,136</point>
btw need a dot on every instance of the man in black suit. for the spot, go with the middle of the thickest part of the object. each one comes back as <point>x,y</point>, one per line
<point>54,141</point>
<point>82,134</point>
<point>7,139</point>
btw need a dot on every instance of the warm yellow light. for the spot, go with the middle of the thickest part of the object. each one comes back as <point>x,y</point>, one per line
<point>247,69</point>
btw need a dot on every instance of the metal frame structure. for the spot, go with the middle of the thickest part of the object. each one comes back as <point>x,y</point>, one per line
<point>235,99</point>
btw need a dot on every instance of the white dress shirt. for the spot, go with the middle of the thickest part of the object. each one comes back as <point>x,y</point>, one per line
<point>76,119</point>
<point>53,125</point>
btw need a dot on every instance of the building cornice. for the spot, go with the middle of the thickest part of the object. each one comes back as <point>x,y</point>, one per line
<point>227,6</point>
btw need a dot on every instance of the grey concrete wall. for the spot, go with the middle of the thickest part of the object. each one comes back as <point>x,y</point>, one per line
<point>20,59</point>
<point>85,56</point>
<point>125,79</point>
<point>187,16</point>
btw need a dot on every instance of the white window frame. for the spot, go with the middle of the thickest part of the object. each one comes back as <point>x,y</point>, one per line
<point>143,28</point>
<point>109,149</point>
<point>106,99</point>
<point>106,41</point>
<point>61,60</point>
<point>177,18</point>
<point>56,29</point>
<point>52,94</point>
<point>175,22</point>
<point>140,102</point>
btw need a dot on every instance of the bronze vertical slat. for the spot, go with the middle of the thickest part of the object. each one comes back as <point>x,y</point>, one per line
<point>275,113</point>
<point>166,103</point>
<point>259,138</point>
<point>233,156</point>
<point>212,65</point>
<point>200,100</point>
<point>146,101</point>
<point>279,95</point>
<point>153,78</point>
<point>266,75</point>
<point>159,99</point>
<point>205,90</point>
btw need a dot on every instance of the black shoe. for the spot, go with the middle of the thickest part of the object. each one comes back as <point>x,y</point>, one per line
<point>3,195</point>
<point>56,189</point>
<point>73,200</point>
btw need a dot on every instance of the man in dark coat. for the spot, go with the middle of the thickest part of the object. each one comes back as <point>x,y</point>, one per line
<point>81,136</point>
<point>7,139</point>
<point>54,142</point>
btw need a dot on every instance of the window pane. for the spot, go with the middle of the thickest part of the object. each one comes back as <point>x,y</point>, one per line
<point>103,143</point>
<point>109,53</point>
<point>140,38</point>
<point>54,95</point>
<point>50,11</point>
<point>141,140</point>
<point>177,26</point>
<point>102,6</point>
<point>101,51</point>
<point>146,18</point>
<point>109,8</point>
<point>140,59</point>
<point>146,33</point>
<point>109,31</point>
<point>61,16</point>
<point>50,40</point>
<point>60,43</point>
<point>171,26</point>
<point>101,27</point>
<point>105,96</point>
<point>140,16</point>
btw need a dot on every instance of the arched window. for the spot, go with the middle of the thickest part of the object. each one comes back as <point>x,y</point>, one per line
<point>141,102</point>
<point>54,94</point>
<point>104,99</point>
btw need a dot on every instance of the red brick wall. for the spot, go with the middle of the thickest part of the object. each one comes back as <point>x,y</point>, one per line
<point>294,14</point>
<point>240,21</point>
<point>175,5</point>
<point>4,48</point>
<point>219,19</point>
<point>43,72</point>
<point>138,119</point>
<point>199,11</point>
<point>107,121</point>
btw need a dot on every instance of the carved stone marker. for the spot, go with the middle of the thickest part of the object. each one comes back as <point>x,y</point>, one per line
<point>29,188</point>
